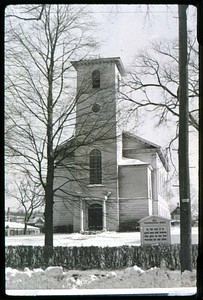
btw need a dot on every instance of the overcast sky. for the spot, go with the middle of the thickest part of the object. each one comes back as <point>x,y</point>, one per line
<point>127,28</point>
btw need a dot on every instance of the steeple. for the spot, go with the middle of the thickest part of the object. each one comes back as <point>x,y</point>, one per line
<point>97,85</point>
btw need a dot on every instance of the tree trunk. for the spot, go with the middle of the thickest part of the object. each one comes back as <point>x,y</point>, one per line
<point>50,171</point>
<point>25,228</point>
<point>49,204</point>
<point>48,250</point>
<point>184,176</point>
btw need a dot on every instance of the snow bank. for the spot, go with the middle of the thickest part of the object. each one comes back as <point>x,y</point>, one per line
<point>133,277</point>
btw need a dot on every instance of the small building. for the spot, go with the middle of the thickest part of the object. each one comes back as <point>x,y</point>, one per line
<point>37,222</point>
<point>175,216</point>
<point>14,228</point>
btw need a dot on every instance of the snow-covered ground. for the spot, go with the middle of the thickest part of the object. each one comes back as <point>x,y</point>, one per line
<point>133,279</point>
<point>102,239</point>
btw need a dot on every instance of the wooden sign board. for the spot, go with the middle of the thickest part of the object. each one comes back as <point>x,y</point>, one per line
<point>155,230</point>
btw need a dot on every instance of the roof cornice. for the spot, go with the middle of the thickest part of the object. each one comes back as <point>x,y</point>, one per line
<point>156,147</point>
<point>115,60</point>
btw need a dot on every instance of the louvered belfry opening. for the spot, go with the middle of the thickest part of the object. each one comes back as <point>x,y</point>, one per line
<point>96,79</point>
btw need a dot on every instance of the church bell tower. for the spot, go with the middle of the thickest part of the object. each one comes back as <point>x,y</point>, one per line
<point>97,86</point>
<point>96,133</point>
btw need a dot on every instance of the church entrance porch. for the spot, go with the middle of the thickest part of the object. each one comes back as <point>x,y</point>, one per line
<point>95,220</point>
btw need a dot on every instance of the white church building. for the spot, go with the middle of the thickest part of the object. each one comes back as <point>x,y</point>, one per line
<point>106,179</point>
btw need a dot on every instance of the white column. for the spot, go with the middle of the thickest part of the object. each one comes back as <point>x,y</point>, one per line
<point>81,216</point>
<point>104,213</point>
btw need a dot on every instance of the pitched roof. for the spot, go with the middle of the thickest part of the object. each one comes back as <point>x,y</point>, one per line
<point>131,162</point>
<point>36,220</point>
<point>139,139</point>
<point>151,145</point>
<point>176,211</point>
<point>15,225</point>
<point>67,144</point>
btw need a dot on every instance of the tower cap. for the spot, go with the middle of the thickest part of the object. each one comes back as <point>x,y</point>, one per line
<point>115,60</point>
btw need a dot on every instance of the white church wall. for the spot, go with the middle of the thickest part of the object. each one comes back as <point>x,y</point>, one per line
<point>133,181</point>
<point>163,207</point>
<point>133,193</point>
<point>133,209</point>
<point>63,213</point>
<point>64,181</point>
<point>112,215</point>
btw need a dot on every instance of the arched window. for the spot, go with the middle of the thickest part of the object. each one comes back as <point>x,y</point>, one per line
<point>95,167</point>
<point>96,79</point>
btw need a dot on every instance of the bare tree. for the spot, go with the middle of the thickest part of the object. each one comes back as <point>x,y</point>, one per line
<point>26,12</point>
<point>30,197</point>
<point>39,100</point>
<point>41,104</point>
<point>156,69</point>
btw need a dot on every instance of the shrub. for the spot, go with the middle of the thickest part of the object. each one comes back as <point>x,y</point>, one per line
<point>63,229</point>
<point>84,258</point>
<point>129,226</point>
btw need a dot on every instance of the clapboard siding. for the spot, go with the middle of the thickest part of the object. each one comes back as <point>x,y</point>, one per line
<point>133,182</point>
<point>76,218</point>
<point>134,193</point>
<point>134,209</point>
<point>112,215</point>
<point>62,214</point>
<point>160,208</point>
<point>62,209</point>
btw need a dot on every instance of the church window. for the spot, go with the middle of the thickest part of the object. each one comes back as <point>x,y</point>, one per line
<point>96,79</point>
<point>95,167</point>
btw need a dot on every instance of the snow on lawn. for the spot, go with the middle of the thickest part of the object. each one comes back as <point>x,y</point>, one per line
<point>101,239</point>
<point>132,277</point>
<point>77,239</point>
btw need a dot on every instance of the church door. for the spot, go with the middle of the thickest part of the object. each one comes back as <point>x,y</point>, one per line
<point>95,217</point>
